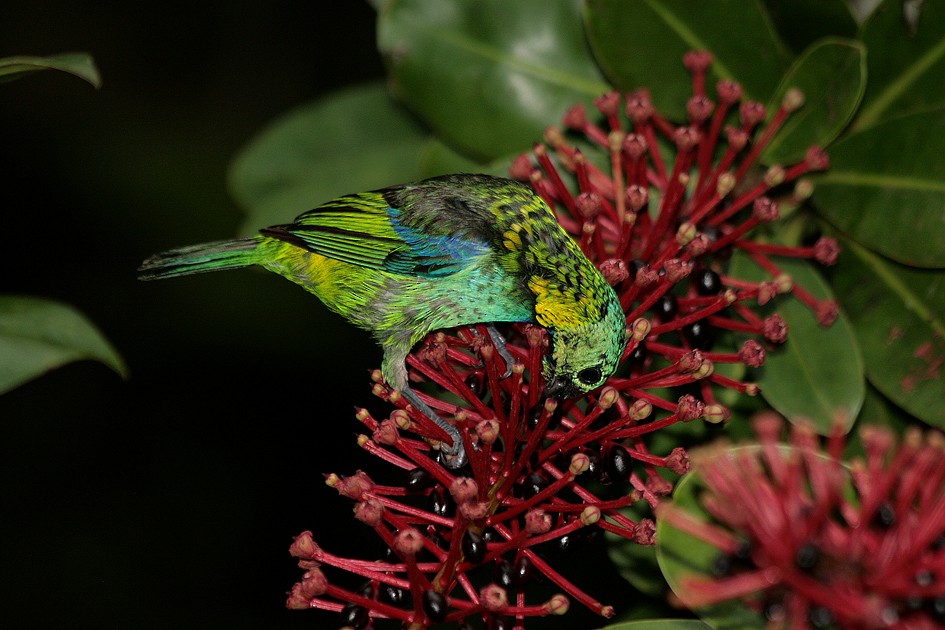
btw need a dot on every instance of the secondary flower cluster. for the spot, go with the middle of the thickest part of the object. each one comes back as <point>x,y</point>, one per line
<point>807,541</point>
<point>546,474</point>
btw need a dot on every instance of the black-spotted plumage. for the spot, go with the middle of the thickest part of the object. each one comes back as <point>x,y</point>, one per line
<point>448,251</point>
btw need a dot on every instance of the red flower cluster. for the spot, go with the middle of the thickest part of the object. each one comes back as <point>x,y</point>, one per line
<point>669,260</point>
<point>808,542</point>
<point>543,473</point>
<point>467,542</point>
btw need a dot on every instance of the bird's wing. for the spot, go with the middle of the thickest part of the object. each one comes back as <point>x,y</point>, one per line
<point>365,230</point>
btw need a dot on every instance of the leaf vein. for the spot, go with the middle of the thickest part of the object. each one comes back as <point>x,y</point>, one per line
<point>882,181</point>
<point>908,297</point>
<point>688,36</point>
<point>565,79</point>
<point>894,89</point>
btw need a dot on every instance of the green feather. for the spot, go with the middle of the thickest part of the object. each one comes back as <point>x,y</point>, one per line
<point>355,229</point>
<point>201,258</point>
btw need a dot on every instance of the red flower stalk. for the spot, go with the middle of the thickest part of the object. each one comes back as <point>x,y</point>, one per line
<point>542,474</point>
<point>465,543</point>
<point>808,541</point>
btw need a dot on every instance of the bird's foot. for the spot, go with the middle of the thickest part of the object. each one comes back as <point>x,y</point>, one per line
<point>500,346</point>
<point>454,456</point>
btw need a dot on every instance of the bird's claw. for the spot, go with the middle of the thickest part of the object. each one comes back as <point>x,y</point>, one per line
<point>454,456</point>
<point>500,345</point>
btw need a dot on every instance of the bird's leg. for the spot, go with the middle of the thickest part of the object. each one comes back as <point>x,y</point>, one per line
<point>499,342</point>
<point>453,457</point>
<point>394,370</point>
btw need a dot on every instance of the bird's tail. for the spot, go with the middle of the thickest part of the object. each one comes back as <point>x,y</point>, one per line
<point>200,259</point>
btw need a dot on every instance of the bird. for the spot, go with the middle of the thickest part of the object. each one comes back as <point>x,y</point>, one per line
<point>448,251</point>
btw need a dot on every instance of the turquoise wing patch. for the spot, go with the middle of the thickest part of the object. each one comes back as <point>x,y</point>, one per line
<point>432,254</point>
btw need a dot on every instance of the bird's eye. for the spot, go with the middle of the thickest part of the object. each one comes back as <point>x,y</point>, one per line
<point>589,376</point>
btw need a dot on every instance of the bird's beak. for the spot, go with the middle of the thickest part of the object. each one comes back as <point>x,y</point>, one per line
<point>559,387</point>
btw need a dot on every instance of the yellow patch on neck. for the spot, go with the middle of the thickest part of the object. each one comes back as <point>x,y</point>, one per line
<point>555,308</point>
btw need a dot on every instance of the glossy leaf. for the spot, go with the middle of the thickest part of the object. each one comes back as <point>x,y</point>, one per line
<point>680,554</point>
<point>907,59</point>
<point>636,564</point>
<point>832,76</point>
<point>38,335</point>
<point>660,624</point>
<point>641,44</point>
<point>488,75</point>
<point>78,64</point>
<point>877,411</point>
<point>817,374</point>
<point>898,314</point>
<point>802,22</point>
<point>436,159</point>
<point>353,140</point>
<point>886,188</point>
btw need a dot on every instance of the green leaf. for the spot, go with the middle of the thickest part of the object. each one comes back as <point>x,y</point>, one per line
<point>353,140</point>
<point>885,188</point>
<point>897,313</point>
<point>641,44</point>
<point>802,22</point>
<point>660,624</point>
<point>877,411</point>
<point>906,62</point>
<point>38,335</point>
<point>817,374</point>
<point>438,159</point>
<point>637,565</point>
<point>488,75</point>
<point>79,64</point>
<point>832,76</point>
<point>680,554</point>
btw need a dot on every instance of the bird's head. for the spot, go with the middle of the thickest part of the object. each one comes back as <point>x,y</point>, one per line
<point>581,359</point>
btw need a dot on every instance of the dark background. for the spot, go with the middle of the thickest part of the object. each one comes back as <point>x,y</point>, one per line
<point>168,500</point>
